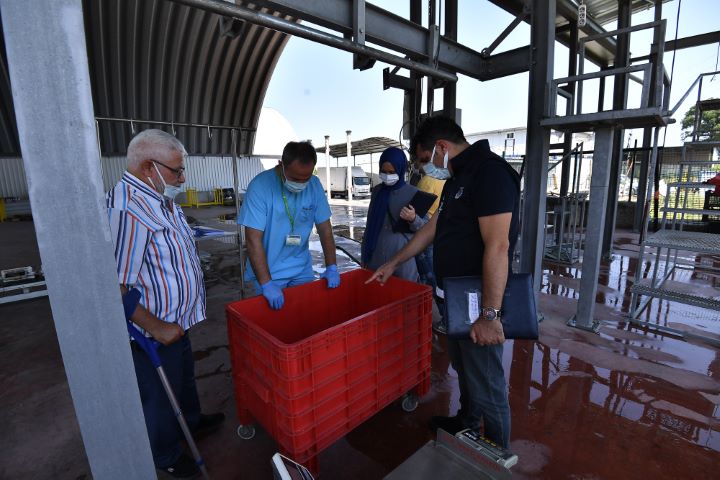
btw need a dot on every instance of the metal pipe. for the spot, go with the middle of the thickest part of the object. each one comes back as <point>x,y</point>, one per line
<point>327,166</point>
<point>632,171</point>
<point>602,73</point>
<point>172,124</point>
<point>682,99</point>
<point>281,25</point>
<point>240,230</point>
<point>565,157</point>
<point>348,180</point>
<point>503,35</point>
<point>567,138</point>
<point>620,31</point>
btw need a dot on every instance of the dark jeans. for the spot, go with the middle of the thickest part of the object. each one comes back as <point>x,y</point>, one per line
<point>483,390</point>
<point>162,425</point>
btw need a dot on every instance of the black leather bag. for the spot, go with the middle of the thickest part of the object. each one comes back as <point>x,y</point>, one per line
<point>519,317</point>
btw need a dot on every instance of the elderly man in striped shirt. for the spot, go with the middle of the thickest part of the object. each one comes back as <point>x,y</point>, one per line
<point>156,253</point>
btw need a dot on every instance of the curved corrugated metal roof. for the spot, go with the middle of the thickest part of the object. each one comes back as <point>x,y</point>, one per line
<point>159,60</point>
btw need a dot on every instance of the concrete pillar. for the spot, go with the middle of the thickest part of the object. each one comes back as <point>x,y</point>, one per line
<point>47,58</point>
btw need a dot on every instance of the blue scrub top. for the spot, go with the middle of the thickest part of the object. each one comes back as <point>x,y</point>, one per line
<point>263,209</point>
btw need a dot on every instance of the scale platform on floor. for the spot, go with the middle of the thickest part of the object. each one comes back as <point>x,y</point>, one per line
<point>464,456</point>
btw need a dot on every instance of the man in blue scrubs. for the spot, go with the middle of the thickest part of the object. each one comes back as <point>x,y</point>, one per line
<point>279,210</point>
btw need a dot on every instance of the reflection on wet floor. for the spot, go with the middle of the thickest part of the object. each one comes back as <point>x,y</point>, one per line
<point>617,276</point>
<point>624,403</point>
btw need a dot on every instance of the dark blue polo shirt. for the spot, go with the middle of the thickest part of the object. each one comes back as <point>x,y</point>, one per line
<point>482,184</point>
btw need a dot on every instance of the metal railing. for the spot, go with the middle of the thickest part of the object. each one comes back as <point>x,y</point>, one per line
<point>646,68</point>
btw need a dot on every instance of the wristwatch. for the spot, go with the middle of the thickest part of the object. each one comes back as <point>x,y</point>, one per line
<point>490,313</point>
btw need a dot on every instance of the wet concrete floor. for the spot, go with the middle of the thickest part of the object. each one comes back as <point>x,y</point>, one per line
<point>623,403</point>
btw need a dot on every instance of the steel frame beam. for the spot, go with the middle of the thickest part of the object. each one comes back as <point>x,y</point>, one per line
<point>486,52</point>
<point>220,7</point>
<point>402,35</point>
<point>568,9</point>
<point>681,43</point>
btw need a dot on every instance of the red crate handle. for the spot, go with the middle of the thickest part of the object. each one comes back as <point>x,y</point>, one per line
<point>257,386</point>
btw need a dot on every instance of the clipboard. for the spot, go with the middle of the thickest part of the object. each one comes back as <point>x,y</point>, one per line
<point>422,201</point>
<point>463,299</point>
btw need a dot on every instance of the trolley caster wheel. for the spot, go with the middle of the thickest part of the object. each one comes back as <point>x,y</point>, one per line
<point>246,432</point>
<point>409,402</point>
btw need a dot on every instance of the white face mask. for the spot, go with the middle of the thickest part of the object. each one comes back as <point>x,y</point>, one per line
<point>389,179</point>
<point>445,157</point>
<point>169,191</point>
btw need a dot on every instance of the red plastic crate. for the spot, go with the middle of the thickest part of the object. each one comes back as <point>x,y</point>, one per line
<point>330,359</point>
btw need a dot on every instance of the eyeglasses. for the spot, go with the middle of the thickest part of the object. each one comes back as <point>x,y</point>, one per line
<point>177,171</point>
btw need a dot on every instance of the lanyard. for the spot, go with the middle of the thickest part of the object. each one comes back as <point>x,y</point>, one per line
<point>290,216</point>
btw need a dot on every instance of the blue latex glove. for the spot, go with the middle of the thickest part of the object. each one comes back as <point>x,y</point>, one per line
<point>332,276</point>
<point>273,294</point>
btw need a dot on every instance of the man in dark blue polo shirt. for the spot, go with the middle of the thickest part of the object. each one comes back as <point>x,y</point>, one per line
<point>474,233</point>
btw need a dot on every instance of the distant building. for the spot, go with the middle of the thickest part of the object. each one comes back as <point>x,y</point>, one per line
<point>510,143</point>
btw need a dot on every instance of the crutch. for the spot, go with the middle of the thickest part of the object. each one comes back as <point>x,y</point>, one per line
<point>150,346</point>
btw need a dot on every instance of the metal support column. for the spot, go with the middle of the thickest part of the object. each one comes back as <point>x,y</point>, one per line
<point>48,65</point>
<point>567,138</point>
<point>643,179</point>
<point>327,167</point>
<point>413,98</point>
<point>450,90</point>
<point>432,51</point>
<point>622,59</point>
<point>538,139</point>
<point>349,179</point>
<point>584,318</point>
<point>240,229</point>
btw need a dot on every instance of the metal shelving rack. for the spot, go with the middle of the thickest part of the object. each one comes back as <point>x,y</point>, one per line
<point>673,247</point>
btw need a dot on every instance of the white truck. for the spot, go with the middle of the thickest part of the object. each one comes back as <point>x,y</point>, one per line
<point>339,184</point>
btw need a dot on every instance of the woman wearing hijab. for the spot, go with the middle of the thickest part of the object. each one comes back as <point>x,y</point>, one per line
<point>391,220</point>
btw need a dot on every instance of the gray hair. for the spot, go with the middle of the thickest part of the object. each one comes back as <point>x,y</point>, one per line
<point>151,144</point>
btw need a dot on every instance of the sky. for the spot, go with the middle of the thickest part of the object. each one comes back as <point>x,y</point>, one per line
<point>315,88</point>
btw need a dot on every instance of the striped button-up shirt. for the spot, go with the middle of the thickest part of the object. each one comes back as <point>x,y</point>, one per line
<point>155,252</point>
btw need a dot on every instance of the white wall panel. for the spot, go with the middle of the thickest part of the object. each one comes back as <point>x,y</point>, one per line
<point>203,173</point>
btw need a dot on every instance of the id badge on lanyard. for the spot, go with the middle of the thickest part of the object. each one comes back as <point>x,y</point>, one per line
<point>292,240</point>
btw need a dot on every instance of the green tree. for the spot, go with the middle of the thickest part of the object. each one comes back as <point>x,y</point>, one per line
<point>709,125</point>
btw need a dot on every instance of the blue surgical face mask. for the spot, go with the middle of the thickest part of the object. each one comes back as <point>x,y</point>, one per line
<point>293,187</point>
